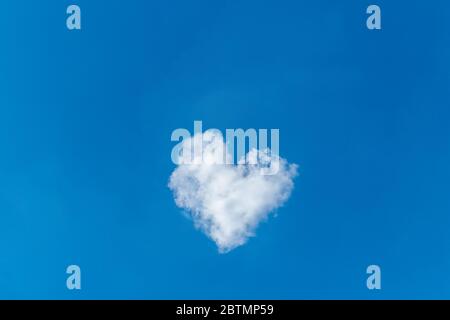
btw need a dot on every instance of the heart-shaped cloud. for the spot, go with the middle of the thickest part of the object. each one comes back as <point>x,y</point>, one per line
<point>227,202</point>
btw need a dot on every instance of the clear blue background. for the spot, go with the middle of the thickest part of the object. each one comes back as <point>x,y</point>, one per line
<point>85,124</point>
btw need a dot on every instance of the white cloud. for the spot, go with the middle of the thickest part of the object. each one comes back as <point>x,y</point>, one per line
<point>227,202</point>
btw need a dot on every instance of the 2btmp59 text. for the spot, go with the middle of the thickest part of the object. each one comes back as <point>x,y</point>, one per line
<point>242,309</point>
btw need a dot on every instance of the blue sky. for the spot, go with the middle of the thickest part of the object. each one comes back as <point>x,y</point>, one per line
<point>85,124</point>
